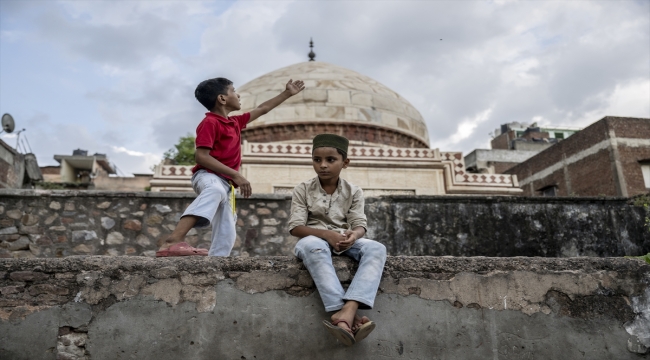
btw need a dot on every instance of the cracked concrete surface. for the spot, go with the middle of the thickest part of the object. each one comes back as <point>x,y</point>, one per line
<point>427,307</point>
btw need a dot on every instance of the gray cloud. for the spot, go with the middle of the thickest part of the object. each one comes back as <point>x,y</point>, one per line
<point>555,61</point>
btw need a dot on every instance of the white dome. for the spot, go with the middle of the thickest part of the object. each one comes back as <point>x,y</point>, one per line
<point>365,109</point>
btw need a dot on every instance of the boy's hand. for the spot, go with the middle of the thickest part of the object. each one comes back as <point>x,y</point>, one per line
<point>350,238</point>
<point>244,186</point>
<point>334,239</point>
<point>295,87</point>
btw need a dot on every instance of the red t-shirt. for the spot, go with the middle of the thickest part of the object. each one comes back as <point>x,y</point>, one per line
<point>223,137</point>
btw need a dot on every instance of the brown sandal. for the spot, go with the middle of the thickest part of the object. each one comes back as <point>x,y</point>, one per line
<point>343,335</point>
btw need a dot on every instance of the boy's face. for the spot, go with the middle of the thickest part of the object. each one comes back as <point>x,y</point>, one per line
<point>231,100</point>
<point>328,163</point>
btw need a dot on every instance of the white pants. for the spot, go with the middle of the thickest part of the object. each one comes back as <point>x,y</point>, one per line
<point>212,206</point>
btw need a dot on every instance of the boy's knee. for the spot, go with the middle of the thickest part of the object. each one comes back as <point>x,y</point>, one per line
<point>377,248</point>
<point>312,244</point>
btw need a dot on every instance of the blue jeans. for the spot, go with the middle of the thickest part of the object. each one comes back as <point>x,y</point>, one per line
<point>317,257</point>
<point>212,207</point>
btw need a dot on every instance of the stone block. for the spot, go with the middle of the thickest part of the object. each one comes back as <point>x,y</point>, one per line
<point>58,228</point>
<point>34,229</point>
<point>163,209</point>
<point>338,96</point>
<point>154,219</point>
<point>82,249</point>
<point>38,289</point>
<point>50,219</point>
<point>314,95</point>
<point>9,230</point>
<point>361,99</point>
<point>21,244</point>
<point>24,276</point>
<point>143,240</point>
<point>270,222</point>
<point>253,220</point>
<point>79,226</point>
<point>55,205</point>
<point>133,224</point>
<point>114,238</point>
<point>9,238</point>
<point>104,205</point>
<point>15,214</point>
<point>107,223</point>
<point>330,112</point>
<point>4,223</point>
<point>165,272</point>
<point>263,211</point>
<point>153,232</point>
<point>69,206</point>
<point>269,230</point>
<point>84,235</point>
<point>29,220</point>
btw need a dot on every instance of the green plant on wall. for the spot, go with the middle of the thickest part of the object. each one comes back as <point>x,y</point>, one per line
<point>645,257</point>
<point>183,151</point>
<point>644,201</point>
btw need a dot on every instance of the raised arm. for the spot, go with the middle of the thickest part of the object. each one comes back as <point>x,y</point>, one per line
<point>292,89</point>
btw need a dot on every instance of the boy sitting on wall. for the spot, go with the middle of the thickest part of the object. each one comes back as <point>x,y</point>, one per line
<point>216,174</point>
<point>327,214</point>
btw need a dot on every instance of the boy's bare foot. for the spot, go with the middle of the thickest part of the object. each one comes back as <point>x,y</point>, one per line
<point>358,321</point>
<point>166,241</point>
<point>347,313</point>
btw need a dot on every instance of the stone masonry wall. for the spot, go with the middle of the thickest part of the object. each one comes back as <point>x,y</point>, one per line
<point>128,307</point>
<point>65,223</point>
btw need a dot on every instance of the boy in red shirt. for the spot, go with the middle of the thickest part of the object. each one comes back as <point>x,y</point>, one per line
<point>218,158</point>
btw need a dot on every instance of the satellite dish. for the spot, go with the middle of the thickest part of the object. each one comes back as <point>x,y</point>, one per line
<point>7,123</point>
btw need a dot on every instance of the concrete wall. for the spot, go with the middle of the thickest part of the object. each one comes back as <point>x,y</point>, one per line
<point>12,167</point>
<point>267,308</point>
<point>64,223</point>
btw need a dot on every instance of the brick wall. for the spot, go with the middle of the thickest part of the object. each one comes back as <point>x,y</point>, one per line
<point>595,174</point>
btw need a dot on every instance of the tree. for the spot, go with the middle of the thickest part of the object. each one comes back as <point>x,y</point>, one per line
<point>183,152</point>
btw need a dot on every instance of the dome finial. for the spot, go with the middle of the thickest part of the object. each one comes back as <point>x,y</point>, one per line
<point>311,54</point>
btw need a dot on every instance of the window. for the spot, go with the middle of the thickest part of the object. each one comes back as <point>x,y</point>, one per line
<point>549,191</point>
<point>559,135</point>
<point>645,170</point>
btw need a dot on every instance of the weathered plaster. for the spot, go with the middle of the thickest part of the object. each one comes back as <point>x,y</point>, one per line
<point>461,308</point>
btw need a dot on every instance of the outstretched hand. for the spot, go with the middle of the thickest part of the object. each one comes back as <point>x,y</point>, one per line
<point>295,87</point>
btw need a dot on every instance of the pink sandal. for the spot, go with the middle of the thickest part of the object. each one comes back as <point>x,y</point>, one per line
<point>181,249</point>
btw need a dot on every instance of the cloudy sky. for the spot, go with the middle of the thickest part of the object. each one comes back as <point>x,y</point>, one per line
<point>117,77</point>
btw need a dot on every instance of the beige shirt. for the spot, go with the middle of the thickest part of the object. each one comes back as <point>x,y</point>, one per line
<point>312,206</point>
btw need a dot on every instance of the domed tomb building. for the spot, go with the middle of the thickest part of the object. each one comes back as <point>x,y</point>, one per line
<point>389,143</point>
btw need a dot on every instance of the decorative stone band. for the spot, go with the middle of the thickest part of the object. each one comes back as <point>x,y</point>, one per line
<point>457,180</point>
<point>353,131</point>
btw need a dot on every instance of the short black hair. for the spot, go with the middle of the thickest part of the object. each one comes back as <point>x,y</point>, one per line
<point>207,91</point>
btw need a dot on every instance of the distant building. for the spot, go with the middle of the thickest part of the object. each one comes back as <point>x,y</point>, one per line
<point>611,157</point>
<point>512,144</point>
<point>17,170</point>
<point>90,172</point>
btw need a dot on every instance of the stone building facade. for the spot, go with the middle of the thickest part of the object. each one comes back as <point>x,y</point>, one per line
<point>608,158</point>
